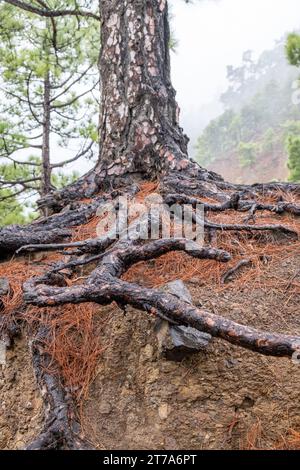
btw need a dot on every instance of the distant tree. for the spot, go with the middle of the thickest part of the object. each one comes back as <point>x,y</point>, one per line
<point>253,75</point>
<point>293,147</point>
<point>293,141</point>
<point>293,49</point>
<point>258,110</point>
<point>248,152</point>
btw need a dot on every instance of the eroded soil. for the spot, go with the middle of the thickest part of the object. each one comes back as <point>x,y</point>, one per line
<point>225,398</point>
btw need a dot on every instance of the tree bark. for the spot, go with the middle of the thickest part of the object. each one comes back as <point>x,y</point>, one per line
<point>139,127</point>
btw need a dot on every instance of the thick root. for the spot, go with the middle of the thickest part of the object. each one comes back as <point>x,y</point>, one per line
<point>61,429</point>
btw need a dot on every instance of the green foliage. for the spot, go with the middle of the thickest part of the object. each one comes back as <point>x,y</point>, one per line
<point>293,49</point>
<point>20,209</point>
<point>30,48</point>
<point>269,141</point>
<point>11,210</point>
<point>293,127</point>
<point>34,50</point>
<point>60,179</point>
<point>293,148</point>
<point>248,152</point>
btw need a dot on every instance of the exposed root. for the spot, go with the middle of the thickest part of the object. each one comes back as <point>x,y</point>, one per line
<point>235,269</point>
<point>252,228</point>
<point>61,429</point>
<point>104,285</point>
<point>48,231</point>
<point>12,238</point>
<point>51,281</point>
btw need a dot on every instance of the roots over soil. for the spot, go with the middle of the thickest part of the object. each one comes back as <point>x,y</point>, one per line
<point>247,229</point>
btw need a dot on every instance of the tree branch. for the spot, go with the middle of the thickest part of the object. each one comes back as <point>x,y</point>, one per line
<point>51,13</point>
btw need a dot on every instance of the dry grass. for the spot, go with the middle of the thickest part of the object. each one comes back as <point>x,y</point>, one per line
<point>253,437</point>
<point>72,342</point>
<point>289,442</point>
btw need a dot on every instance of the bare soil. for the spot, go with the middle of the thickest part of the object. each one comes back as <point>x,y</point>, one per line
<point>224,398</point>
<point>20,403</point>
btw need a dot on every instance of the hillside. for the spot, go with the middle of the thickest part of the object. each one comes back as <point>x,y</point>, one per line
<point>247,142</point>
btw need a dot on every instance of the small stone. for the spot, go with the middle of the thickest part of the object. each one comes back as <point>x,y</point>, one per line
<point>179,290</point>
<point>176,341</point>
<point>170,443</point>
<point>152,376</point>
<point>4,286</point>
<point>105,408</point>
<point>29,406</point>
<point>192,393</point>
<point>194,280</point>
<point>148,351</point>
<point>11,376</point>
<point>164,411</point>
<point>230,363</point>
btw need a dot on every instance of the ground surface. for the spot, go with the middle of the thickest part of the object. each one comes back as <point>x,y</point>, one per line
<point>20,403</point>
<point>225,398</point>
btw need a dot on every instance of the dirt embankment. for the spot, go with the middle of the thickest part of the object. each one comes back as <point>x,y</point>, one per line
<point>225,398</point>
<point>20,402</point>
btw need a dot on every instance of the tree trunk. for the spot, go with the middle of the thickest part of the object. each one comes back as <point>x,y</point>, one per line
<point>139,125</point>
<point>140,135</point>
<point>46,168</point>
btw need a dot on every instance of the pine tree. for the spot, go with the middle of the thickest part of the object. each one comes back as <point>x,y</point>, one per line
<point>293,142</point>
<point>140,140</point>
<point>49,87</point>
<point>293,147</point>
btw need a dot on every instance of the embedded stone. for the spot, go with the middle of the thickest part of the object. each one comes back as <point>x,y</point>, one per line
<point>178,341</point>
<point>4,286</point>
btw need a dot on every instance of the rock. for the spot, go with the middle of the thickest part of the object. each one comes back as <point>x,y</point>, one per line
<point>230,363</point>
<point>147,352</point>
<point>164,411</point>
<point>11,376</point>
<point>177,341</point>
<point>152,376</point>
<point>192,393</point>
<point>4,290</point>
<point>4,286</point>
<point>170,443</point>
<point>2,353</point>
<point>178,289</point>
<point>105,408</point>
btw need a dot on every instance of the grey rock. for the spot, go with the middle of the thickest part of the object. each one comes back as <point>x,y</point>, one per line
<point>179,289</point>
<point>4,286</point>
<point>178,341</point>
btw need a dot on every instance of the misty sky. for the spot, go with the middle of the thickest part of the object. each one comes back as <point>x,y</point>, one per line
<point>212,34</point>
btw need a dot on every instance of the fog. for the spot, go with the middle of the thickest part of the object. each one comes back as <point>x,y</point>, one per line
<point>212,34</point>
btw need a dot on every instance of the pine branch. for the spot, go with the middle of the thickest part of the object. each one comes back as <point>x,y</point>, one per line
<point>51,13</point>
